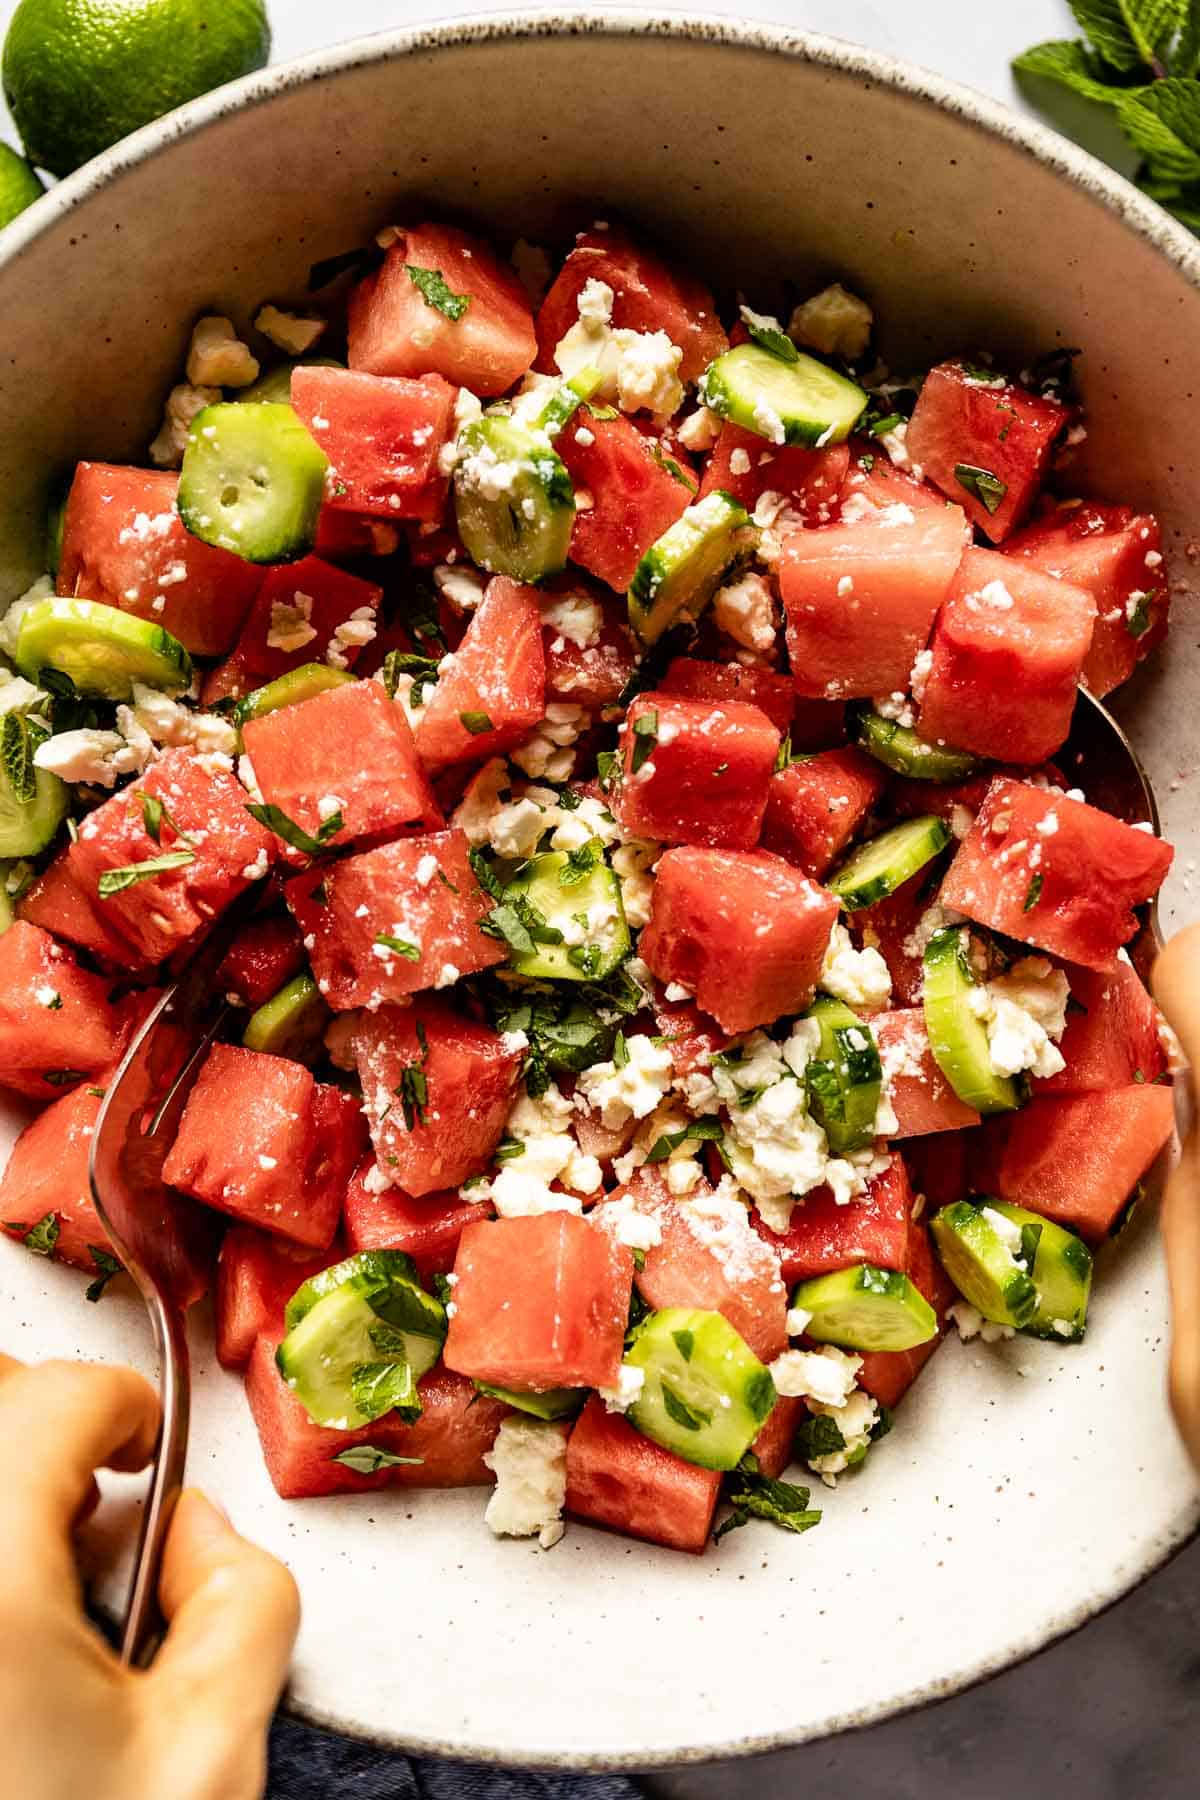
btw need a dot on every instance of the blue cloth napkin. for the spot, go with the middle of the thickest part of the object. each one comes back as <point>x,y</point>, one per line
<point>306,1764</point>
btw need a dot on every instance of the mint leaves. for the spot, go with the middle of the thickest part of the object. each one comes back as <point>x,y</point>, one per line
<point>435,290</point>
<point>1142,59</point>
<point>753,1495</point>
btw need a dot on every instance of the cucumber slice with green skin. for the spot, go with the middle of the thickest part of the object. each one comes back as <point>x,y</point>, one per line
<point>576,893</point>
<point>1062,1274</point>
<point>981,1265</point>
<point>865,1308</point>
<point>275,387</point>
<point>706,1394</point>
<point>7,915</point>
<point>565,402</point>
<point>682,570</point>
<point>957,1036</point>
<point>291,1023</point>
<point>899,748</point>
<point>252,481</point>
<point>555,1403</point>
<point>801,402</point>
<point>33,802</point>
<point>844,1078</point>
<point>102,649</point>
<point>291,689</point>
<point>513,499</point>
<point>883,864</point>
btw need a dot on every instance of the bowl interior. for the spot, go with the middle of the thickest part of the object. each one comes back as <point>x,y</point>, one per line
<point>1024,1486</point>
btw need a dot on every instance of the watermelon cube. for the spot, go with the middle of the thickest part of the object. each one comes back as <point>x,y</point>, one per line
<point>1077,1158</point>
<point>694,679</point>
<point>987,443</point>
<point>262,958</point>
<point>585,673</point>
<point>342,535</point>
<point>492,691</point>
<point>694,771</point>
<point>56,1024</point>
<point>815,807</point>
<point>170,912</point>
<point>921,1097</point>
<point>1056,873</point>
<point>58,903</point>
<point>626,497</point>
<point>692,1038</point>
<point>775,1445</point>
<point>47,1172</point>
<point>393,921</point>
<point>941,1167</point>
<point>383,436</point>
<point>123,543</point>
<point>457,1426</point>
<point>618,1478</point>
<point>393,328</point>
<point>470,1083</point>
<point>426,1227</point>
<point>647,296</point>
<point>742,930</point>
<point>744,465</point>
<point>1008,649</point>
<point>823,1236</point>
<point>257,1274</point>
<point>304,612</point>
<point>350,745</point>
<point>861,597</point>
<point>539,1303</point>
<point>1115,555</point>
<point>261,1140</point>
<point>1112,1037</point>
<point>874,485</point>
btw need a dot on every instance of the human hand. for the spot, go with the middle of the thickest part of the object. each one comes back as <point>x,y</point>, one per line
<point>1176,981</point>
<point>76,1722</point>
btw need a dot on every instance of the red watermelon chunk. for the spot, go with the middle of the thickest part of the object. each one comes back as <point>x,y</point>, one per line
<point>875,484</point>
<point>921,1097</point>
<point>589,674</point>
<point>742,930</point>
<point>495,681</point>
<point>694,771</point>
<point>969,420</point>
<point>170,912</point>
<point>351,745</point>
<point>56,1024</point>
<point>257,1274</point>
<point>1115,555</point>
<point>775,1445</point>
<point>1008,649</point>
<point>457,1426</point>
<point>470,1085</point>
<point>823,1236</point>
<point>1077,1158</point>
<point>58,903</point>
<point>392,329</point>
<point>395,921</point>
<point>647,296</point>
<point>341,535</point>
<point>692,1038</point>
<point>426,1227</point>
<point>296,599</point>
<point>861,598</point>
<point>1112,1036</point>
<point>47,1172</point>
<point>618,1478</point>
<point>941,1167</point>
<point>745,465</point>
<point>815,807</point>
<point>695,679</point>
<point>382,435</point>
<point>262,958</point>
<point>539,1303</point>
<point>1056,873</point>
<point>286,1165</point>
<point>626,498</point>
<point>123,543</point>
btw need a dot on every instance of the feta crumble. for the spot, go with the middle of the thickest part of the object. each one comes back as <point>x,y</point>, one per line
<point>288,331</point>
<point>858,977</point>
<point>529,1461</point>
<point>745,610</point>
<point>835,322</point>
<point>630,1090</point>
<point>1025,1013</point>
<point>217,357</point>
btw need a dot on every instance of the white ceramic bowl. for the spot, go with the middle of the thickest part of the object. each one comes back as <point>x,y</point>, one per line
<point>1024,1487</point>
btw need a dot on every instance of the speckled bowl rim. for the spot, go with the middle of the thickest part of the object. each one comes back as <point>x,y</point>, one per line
<point>1108,189</point>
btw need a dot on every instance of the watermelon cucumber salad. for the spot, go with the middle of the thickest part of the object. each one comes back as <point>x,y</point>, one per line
<point>669,976</point>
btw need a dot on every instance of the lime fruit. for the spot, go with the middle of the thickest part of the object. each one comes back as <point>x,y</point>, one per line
<point>81,74</point>
<point>19,186</point>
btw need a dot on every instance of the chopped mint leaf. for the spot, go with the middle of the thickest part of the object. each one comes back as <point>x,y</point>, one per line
<point>696,1130</point>
<point>368,1459</point>
<point>880,427</point>
<point>476,723</point>
<point>433,288</point>
<point>42,1237</point>
<point>607,768</point>
<point>1033,893</point>
<point>115,881</point>
<point>769,333</point>
<point>645,738</point>
<point>783,755</point>
<point>672,468</point>
<point>19,738</point>
<point>509,1148</point>
<point>413,1095</point>
<point>579,864</point>
<point>620,1051</point>
<point>569,799</point>
<point>97,1093</point>
<point>423,669</point>
<point>685,1343</point>
<point>753,1495</point>
<point>1139,619</point>
<point>108,1267</point>
<point>485,875</point>
<point>819,1435</point>
<point>987,488</point>
<point>1031,1237</point>
<point>686,1417</point>
<point>382,1387</point>
<point>586,957</point>
<point>400,946</point>
<point>277,821</point>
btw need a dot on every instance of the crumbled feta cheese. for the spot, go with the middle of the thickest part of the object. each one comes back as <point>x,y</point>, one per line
<point>630,1090</point>
<point>575,617</point>
<point>993,594</point>
<point>514,831</point>
<point>267,1163</point>
<point>630,1382</point>
<point>639,370</point>
<point>768,424</point>
<point>797,1321</point>
<point>745,610</point>
<point>826,1375</point>
<point>529,1461</point>
<point>546,754</point>
<point>856,1418</point>
<point>183,403</point>
<point>920,674</point>
<point>291,626</point>
<point>481,803</point>
<point>258,869</point>
<point>288,331</point>
<point>700,430</point>
<point>835,322</point>
<point>896,707</point>
<point>521,1188</point>
<point>328,805</point>
<point>462,586</point>
<point>632,865</point>
<point>467,408</point>
<point>167,722</point>
<point>972,1324</point>
<point>1025,1012</point>
<point>100,757</point>
<point>639,1230</point>
<point>590,819</point>
<point>47,996</point>
<point>895,442</point>
<point>351,635</point>
<point>859,977</point>
<point>218,358</point>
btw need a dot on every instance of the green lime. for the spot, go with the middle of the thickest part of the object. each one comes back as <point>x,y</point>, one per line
<point>19,186</point>
<point>81,74</point>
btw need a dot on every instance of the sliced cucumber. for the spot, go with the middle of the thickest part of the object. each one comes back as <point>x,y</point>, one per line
<point>289,690</point>
<point>555,1403</point>
<point>981,1265</point>
<point>33,802</point>
<point>865,1308</point>
<point>800,402</point>
<point>883,864</point>
<point>844,1077</point>
<point>1061,1266</point>
<point>275,387</point>
<point>576,894</point>
<point>682,570</point>
<point>706,1394</point>
<point>102,649</point>
<point>566,400</point>
<point>957,1036</point>
<point>513,499</point>
<point>252,481</point>
<point>899,748</point>
<point>291,1023</point>
<point>7,913</point>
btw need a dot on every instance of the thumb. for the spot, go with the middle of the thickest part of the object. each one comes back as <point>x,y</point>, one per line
<point>1176,978</point>
<point>1176,982</point>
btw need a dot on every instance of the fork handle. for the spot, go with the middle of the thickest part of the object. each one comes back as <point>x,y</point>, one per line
<point>144,1625</point>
